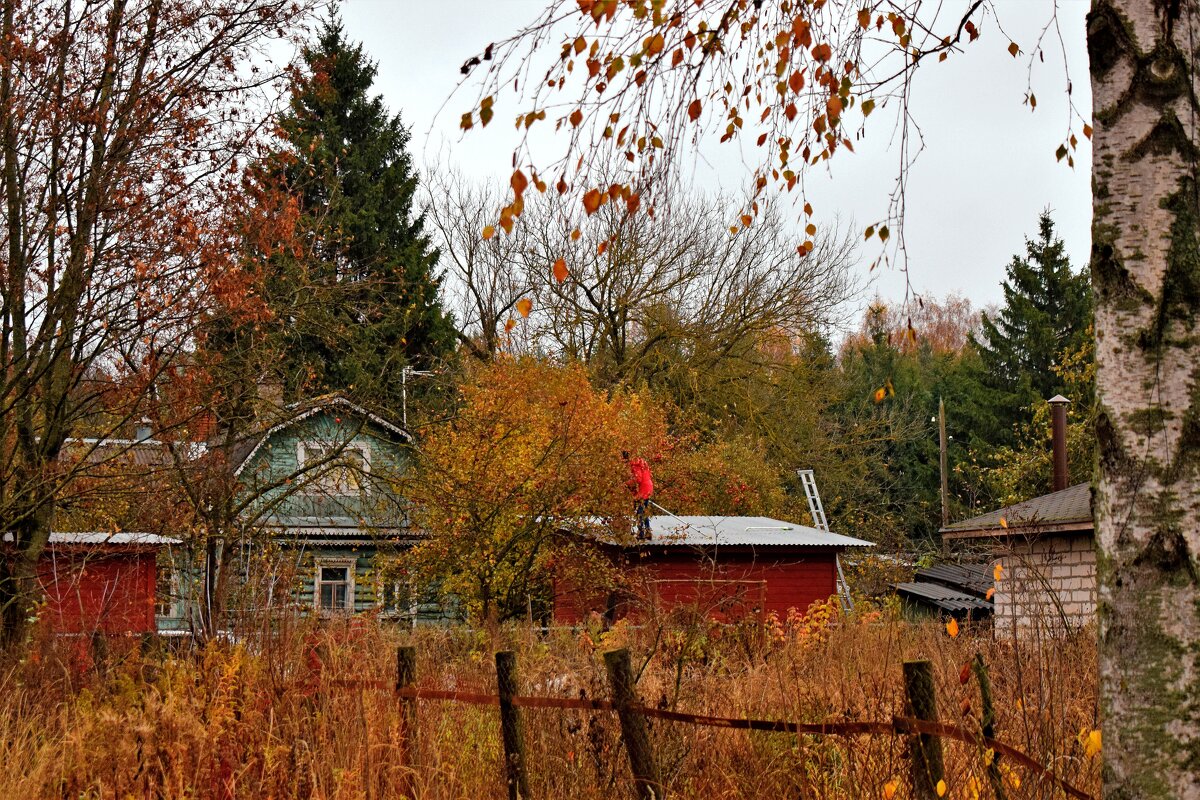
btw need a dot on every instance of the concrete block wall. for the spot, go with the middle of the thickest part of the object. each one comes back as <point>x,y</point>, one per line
<point>1048,582</point>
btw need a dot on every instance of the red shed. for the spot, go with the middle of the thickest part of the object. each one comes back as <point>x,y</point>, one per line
<point>100,582</point>
<point>727,566</point>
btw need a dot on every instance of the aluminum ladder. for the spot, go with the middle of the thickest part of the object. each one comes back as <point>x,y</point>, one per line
<point>809,481</point>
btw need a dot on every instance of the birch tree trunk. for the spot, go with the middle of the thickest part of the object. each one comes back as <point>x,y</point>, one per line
<point>1146,273</point>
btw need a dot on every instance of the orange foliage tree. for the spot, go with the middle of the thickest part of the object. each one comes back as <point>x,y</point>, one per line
<point>532,458</point>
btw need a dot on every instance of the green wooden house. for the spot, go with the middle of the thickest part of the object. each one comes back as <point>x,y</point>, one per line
<point>328,524</point>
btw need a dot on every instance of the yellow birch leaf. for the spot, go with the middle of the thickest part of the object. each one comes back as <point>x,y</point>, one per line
<point>952,627</point>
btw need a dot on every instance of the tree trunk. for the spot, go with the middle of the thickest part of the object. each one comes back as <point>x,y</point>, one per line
<point>1146,274</point>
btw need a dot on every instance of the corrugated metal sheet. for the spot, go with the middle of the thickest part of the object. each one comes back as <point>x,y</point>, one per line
<point>943,597</point>
<point>100,537</point>
<point>746,531</point>
<point>974,579</point>
<point>1072,505</point>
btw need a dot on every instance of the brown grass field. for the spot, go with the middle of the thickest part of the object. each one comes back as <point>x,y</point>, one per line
<point>236,720</point>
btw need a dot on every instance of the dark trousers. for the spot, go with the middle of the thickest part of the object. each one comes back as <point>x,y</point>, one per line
<point>640,510</point>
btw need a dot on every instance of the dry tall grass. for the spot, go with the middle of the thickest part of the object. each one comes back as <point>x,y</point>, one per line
<point>233,721</point>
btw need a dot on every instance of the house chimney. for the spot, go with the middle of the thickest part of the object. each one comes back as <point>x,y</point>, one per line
<point>143,431</point>
<point>1058,427</point>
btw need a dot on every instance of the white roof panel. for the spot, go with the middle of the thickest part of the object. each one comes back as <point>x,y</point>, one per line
<point>101,537</point>
<point>668,529</point>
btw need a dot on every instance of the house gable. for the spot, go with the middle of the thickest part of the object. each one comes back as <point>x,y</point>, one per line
<point>331,465</point>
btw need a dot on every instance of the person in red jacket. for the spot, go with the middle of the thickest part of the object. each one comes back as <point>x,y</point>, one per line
<point>642,486</point>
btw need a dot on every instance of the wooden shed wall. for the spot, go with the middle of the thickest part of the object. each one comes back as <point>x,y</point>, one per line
<point>727,583</point>
<point>106,590</point>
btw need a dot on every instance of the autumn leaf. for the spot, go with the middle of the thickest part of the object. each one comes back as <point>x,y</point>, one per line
<point>889,790</point>
<point>1091,745</point>
<point>560,270</point>
<point>964,707</point>
<point>796,82</point>
<point>941,788</point>
<point>833,107</point>
<point>867,107</point>
<point>952,627</point>
<point>591,201</point>
<point>655,44</point>
<point>991,592</point>
<point>880,393</point>
<point>576,118</point>
<point>519,183</point>
<point>1013,49</point>
<point>488,232</point>
<point>1003,522</point>
<point>524,306</point>
<point>746,220</point>
<point>964,674</point>
<point>509,325</point>
<point>822,52</point>
<point>575,234</point>
<point>998,571</point>
<point>694,110</point>
<point>864,18</point>
<point>633,203</point>
<point>1087,131</point>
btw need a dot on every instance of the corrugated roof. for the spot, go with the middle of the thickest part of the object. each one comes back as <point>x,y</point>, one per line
<point>942,597</point>
<point>1069,507</point>
<point>101,537</point>
<point>973,579</point>
<point>697,531</point>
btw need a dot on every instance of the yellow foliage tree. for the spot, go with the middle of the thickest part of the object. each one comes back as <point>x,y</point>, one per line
<point>532,458</point>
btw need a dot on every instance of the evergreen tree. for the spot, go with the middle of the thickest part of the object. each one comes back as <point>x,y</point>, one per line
<point>357,300</point>
<point>1046,312</point>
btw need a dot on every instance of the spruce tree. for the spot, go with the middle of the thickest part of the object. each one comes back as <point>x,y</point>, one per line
<point>357,300</point>
<point>1046,312</point>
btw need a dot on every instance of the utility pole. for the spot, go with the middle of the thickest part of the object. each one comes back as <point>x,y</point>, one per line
<point>942,462</point>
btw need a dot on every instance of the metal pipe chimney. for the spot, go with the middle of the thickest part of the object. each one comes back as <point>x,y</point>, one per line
<point>1058,428</point>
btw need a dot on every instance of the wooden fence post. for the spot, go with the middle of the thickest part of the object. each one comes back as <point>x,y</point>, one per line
<point>633,726</point>
<point>926,750</point>
<point>406,676</point>
<point>511,730</point>
<point>988,724</point>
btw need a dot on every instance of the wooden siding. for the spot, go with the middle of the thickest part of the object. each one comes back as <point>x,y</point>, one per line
<point>279,457</point>
<point>107,590</point>
<point>730,583</point>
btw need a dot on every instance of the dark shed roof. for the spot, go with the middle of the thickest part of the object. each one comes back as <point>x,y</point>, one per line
<point>1067,510</point>
<point>973,579</point>
<point>950,600</point>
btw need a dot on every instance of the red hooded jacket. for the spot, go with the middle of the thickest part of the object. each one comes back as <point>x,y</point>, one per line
<point>640,482</point>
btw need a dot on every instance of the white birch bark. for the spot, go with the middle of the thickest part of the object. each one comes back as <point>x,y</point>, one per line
<point>1146,273</point>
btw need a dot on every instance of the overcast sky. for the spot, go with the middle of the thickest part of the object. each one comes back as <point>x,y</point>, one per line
<point>986,173</point>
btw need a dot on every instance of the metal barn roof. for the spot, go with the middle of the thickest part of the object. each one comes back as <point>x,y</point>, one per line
<point>702,531</point>
<point>100,537</point>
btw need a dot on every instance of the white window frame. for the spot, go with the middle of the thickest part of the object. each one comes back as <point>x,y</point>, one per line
<point>319,484</point>
<point>349,564</point>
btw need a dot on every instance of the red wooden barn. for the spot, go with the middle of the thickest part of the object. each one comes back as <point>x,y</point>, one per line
<point>725,566</point>
<point>100,582</point>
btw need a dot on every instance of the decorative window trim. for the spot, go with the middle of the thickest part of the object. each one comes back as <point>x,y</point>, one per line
<point>350,565</point>
<point>318,484</point>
